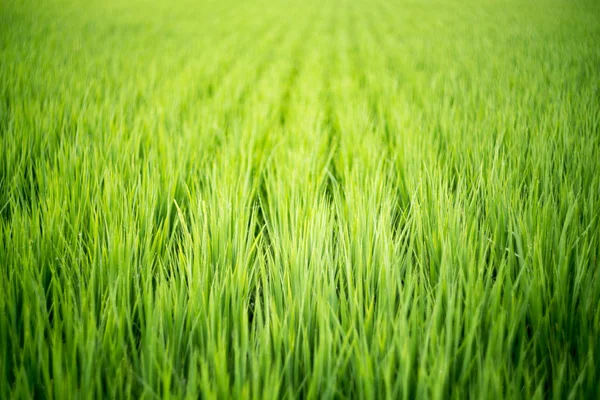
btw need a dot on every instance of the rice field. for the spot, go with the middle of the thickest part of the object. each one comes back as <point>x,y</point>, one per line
<point>300,199</point>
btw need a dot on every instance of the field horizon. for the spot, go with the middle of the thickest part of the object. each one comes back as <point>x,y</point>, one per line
<point>300,199</point>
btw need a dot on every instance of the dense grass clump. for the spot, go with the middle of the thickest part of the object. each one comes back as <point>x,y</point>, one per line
<point>316,199</point>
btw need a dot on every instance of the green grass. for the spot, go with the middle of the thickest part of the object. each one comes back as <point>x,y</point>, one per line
<point>316,199</point>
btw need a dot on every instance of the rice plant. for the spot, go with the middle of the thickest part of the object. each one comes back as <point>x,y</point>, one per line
<point>300,199</point>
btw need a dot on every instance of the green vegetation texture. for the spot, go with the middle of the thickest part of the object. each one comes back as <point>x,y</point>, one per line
<point>300,199</point>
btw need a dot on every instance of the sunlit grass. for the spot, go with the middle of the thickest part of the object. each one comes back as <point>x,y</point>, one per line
<point>321,199</point>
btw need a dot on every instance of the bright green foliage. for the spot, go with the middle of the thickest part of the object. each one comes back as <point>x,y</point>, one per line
<point>319,199</point>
